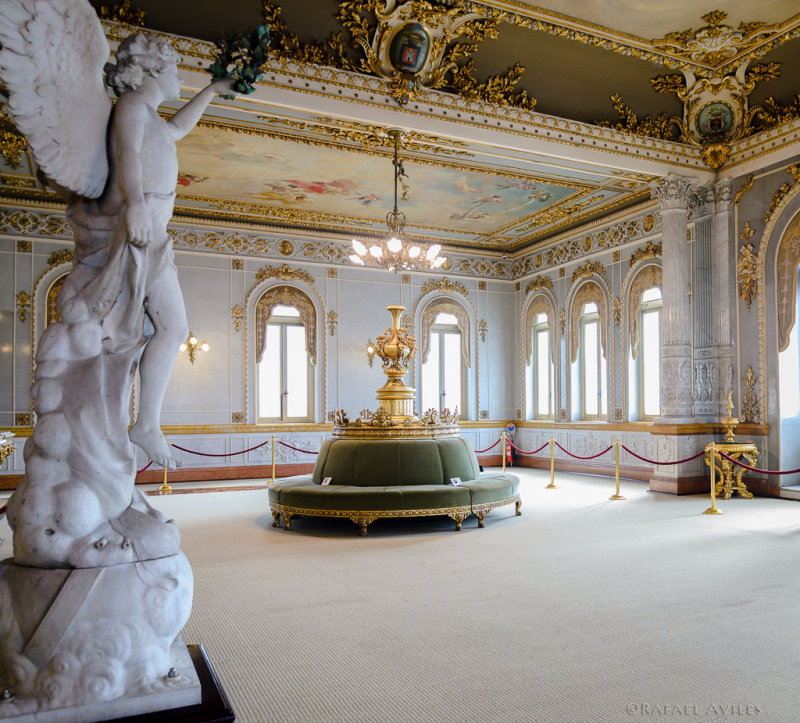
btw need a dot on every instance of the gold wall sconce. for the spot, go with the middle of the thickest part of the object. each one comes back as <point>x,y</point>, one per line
<point>192,345</point>
<point>370,349</point>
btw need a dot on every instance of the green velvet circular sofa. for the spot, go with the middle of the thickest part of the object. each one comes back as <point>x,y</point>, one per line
<point>375,478</point>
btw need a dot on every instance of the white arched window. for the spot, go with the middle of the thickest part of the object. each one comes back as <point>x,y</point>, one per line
<point>646,355</point>
<point>444,378</point>
<point>285,355</point>
<point>539,377</point>
<point>591,364</point>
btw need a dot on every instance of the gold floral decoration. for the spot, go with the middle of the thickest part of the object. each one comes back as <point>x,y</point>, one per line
<point>333,320</point>
<point>662,126</point>
<point>285,273</point>
<point>648,251</point>
<point>445,286</point>
<point>23,305</point>
<point>237,314</point>
<point>238,418</point>
<point>539,283</point>
<point>23,419</point>
<point>59,257</point>
<point>590,268</point>
<point>483,329</point>
<point>616,309</point>
<point>24,247</point>
<point>285,248</point>
<point>562,321</point>
<point>750,409</point>
<point>12,142</point>
<point>746,268</point>
<point>237,264</point>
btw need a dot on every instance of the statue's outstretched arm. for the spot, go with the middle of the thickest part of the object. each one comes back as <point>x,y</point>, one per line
<point>186,118</point>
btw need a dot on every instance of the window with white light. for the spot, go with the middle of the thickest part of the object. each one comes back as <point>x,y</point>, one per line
<point>591,365</point>
<point>443,383</point>
<point>540,377</point>
<point>648,355</point>
<point>285,374</point>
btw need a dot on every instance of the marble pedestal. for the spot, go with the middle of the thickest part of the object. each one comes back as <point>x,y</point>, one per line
<point>91,644</point>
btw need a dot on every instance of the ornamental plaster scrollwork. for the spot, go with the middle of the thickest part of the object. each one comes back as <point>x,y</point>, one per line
<point>445,306</point>
<point>677,377</point>
<point>289,296</point>
<point>750,411</point>
<point>723,194</point>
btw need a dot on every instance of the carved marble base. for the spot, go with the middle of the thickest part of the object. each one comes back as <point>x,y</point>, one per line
<point>95,643</point>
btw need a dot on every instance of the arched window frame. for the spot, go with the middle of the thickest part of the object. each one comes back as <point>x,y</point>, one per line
<point>426,310</point>
<point>539,304</point>
<point>316,346</point>
<point>644,277</point>
<point>589,291</point>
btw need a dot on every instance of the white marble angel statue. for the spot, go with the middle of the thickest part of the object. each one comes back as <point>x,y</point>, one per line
<point>121,306</point>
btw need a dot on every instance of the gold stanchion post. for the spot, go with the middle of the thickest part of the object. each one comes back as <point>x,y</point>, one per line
<point>165,489</point>
<point>713,510</point>
<point>552,484</point>
<point>617,495</point>
<point>272,447</point>
<point>505,449</point>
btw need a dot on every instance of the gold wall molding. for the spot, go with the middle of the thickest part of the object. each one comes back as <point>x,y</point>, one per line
<point>33,223</point>
<point>285,273</point>
<point>750,409</point>
<point>495,269</point>
<point>237,315</point>
<point>616,309</point>
<point>587,270</point>
<point>648,251</point>
<point>746,268</point>
<point>333,320</point>
<point>23,301</point>
<point>483,329</point>
<point>61,256</point>
<point>783,190</point>
<point>748,184</point>
<point>539,283</point>
<point>444,286</point>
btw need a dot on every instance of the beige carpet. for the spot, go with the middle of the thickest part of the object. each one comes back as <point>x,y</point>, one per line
<point>583,609</point>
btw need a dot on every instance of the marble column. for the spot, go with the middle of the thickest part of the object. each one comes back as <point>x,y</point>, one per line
<point>723,285</point>
<point>673,193</point>
<point>704,371</point>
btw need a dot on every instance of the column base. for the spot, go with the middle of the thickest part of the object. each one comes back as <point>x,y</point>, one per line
<point>689,485</point>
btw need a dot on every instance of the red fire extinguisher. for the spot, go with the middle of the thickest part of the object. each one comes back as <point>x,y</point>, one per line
<point>510,428</point>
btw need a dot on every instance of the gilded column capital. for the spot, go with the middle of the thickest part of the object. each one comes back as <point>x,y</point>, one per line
<point>723,194</point>
<point>672,192</point>
<point>703,200</point>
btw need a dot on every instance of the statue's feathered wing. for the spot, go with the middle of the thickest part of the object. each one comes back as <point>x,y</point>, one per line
<point>51,62</point>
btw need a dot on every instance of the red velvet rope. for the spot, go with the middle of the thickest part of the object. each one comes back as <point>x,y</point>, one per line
<point>147,466</point>
<point>576,456</point>
<point>296,449</point>
<point>652,461</point>
<point>755,469</point>
<point>224,454</point>
<point>481,451</point>
<point>522,451</point>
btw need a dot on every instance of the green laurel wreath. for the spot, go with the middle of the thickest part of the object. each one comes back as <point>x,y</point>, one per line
<point>241,56</point>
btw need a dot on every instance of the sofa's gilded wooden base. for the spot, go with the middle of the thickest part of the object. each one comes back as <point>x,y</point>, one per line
<point>364,518</point>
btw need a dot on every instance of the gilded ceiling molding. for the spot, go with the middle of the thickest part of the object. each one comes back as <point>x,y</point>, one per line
<point>285,273</point>
<point>746,268</point>
<point>587,270</point>
<point>124,12</point>
<point>412,45</point>
<point>487,268</point>
<point>444,286</point>
<point>648,251</point>
<point>34,223</point>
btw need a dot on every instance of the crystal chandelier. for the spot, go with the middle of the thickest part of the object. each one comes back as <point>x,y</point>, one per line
<point>394,252</point>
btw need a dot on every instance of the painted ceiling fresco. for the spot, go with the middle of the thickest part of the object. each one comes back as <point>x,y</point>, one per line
<point>456,200</point>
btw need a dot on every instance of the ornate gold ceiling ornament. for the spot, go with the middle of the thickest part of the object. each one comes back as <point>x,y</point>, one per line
<point>648,251</point>
<point>558,213</point>
<point>539,283</point>
<point>411,43</point>
<point>285,273</point>
<point>124,13</point>
<point>445,286</point>
<point>715,44</point>
<point>587,270</point>
<point>783,189</point>
<point>746,268</point>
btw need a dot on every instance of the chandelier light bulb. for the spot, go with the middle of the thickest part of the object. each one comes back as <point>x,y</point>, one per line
<point>394,245</point>
<point>376,251</point>
<point>193,340</point>
<point>356,259</point>
<point>433,252</point>
<point>359,248</point>
<point>414,251</point>
<point>439,262</point>
<point>204,346</point>
<point>183,347</point>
